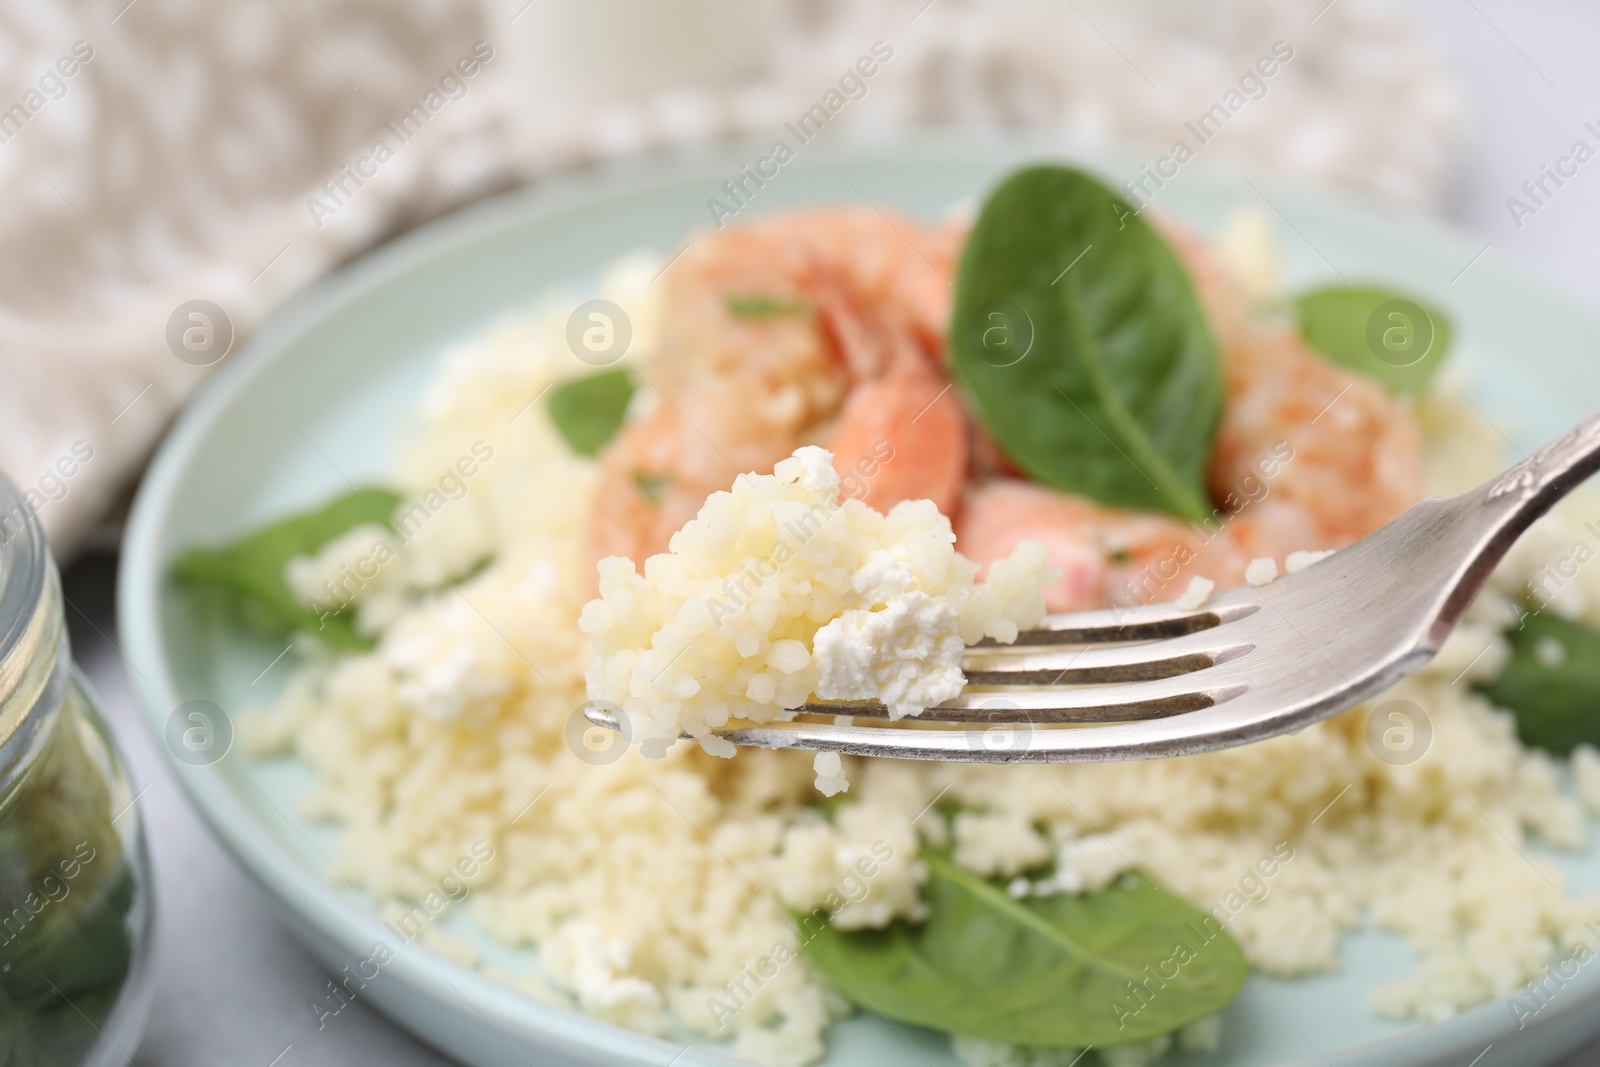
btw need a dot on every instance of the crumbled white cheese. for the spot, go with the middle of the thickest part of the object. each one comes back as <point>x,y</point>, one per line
<point>583,959</point>
<point>1085,865</point>
<point>908,655</point>
<point>975,1052</point>
<point>1194,597</point>
<point>1550,651</point>
<point>1143,1054</point>
<point>830,774</point>
<point>1263,571</point>
<point>342,571</point>
<point>1474,652</point>
<point>1299,561</point>
<point>1202,1035</point>
<point>778,592</point>
<point>437,661</point>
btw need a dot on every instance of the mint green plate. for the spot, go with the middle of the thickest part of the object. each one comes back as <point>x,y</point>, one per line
<point>322,390</point>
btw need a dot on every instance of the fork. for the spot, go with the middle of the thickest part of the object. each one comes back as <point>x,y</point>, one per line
<point>1254,662</point>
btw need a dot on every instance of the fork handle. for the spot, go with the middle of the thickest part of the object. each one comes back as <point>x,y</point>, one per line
<point>1495,514</point>
<point>1533,486</point>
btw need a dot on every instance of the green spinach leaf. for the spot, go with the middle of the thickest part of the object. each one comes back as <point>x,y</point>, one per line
<point>250,570</point>
<point>1080,344</point>
<point>1125,964</point>
<point>1552,683</point>
<point>1389,336</point>
<point>589,411</point>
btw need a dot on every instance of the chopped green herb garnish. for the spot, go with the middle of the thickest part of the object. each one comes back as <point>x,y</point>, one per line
<point>758,306</point>
<point>652,486</point>
<point>829,806</point>
<point>589,411</point>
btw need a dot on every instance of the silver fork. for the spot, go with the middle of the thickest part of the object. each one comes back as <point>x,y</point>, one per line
<point>1254,662</point>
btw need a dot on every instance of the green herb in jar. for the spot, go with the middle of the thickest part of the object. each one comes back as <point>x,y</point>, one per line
<point>66,888</point>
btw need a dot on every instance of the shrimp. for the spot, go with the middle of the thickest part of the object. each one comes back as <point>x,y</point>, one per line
<point>1109,557</point>
<point>1000,515</point>
<point>912,422</point>
<point>1353,451</point>
<point>784,332</point>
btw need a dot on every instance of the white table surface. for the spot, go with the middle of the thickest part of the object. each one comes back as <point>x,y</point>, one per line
<point>233,986</point>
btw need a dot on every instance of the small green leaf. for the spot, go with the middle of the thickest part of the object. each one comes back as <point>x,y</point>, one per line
<point>1386,335</point>
<point>1121,965</point>
<point>829,806</point>
<point>758,306</point>
<point>1552,683</point>
<point>250,570</point>
<point>652,486</point>
<point>589,411</point>
<point>1081,346</point>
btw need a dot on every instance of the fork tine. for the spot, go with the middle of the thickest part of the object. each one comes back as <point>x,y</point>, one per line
<point>1011,733</point>
<point>1148,623</point>
<point>1034,706</point>
<point>1051,704</point>
<point>1055,703</point>
<point>1125,663</point>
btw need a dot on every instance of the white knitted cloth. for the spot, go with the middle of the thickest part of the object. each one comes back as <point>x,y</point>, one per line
<point>164,151</point>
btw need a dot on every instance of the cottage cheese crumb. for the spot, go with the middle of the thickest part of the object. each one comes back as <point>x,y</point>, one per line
<point>1202,1035</point>
<point>1263,571</point>
<point>907,655</point>
<point>1140,1055</point>
<point>779,592</point>
<point>1085,865</point>
<point>975,1052</point>
<point>582,958</point>
<point>1195,596</point>
<point>1299,561</point>
<point>1550,652</point>
<point>343,570</point>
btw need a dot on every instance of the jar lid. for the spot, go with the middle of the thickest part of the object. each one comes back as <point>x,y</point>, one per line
<point>33,656</point>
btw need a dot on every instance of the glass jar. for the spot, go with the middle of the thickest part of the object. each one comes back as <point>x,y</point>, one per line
<point>75,907</point>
